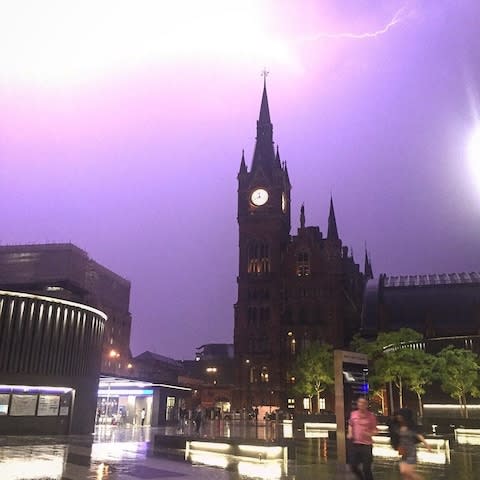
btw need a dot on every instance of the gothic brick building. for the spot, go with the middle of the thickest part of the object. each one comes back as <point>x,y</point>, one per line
<point>292,289</point>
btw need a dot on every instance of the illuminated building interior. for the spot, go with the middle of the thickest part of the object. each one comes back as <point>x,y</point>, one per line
<point>121,401</point>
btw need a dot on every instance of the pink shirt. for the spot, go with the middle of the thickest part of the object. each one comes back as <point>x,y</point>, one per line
<point>363,426</point>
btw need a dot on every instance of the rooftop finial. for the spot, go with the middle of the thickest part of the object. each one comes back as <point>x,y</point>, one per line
<point>264,74</point>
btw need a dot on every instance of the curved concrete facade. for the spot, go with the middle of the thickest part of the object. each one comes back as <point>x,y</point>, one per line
<point>50,355</point>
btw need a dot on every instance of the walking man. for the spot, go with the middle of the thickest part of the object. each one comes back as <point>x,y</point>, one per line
<point>198,419</point>
<point>361,426</point>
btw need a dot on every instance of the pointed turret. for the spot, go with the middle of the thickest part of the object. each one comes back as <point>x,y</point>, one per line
<point>264,155</point>
<point>287,178</point>
<point>368,267</point>
<point>332,233</point>
<point>243,165</point>
<point>302,216</point>
<point>278,163</point>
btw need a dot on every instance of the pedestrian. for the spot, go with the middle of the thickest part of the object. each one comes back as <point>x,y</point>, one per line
<point>198,419</point>
<point>98,415</point>
<point>181,419</point>
<point>143,414</point>
<point>361,426</point>
<point>404,437</point>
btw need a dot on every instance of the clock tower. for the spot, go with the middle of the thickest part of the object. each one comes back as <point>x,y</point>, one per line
<point>264,232</point>
<point>293,289</point>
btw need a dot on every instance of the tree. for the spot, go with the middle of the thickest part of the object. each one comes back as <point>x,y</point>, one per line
<point>392,361</point>
<point>397,338</point>
<point>458,372</point>
<point>376,382</point>
<point>313,370</point>
<point>393,370</point>
<point>409,368</point>
<point>421,373</point>
<point>390,366</point>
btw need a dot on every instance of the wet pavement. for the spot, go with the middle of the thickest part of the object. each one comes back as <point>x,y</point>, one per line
<point>128,454</point>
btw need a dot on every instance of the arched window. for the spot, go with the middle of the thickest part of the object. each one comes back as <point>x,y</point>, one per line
<point>264,314</point>
<point>288,316</point>
<point>303,264</point>
<point>292,344</point>
<point>258,257</point>
<point>252,316</point>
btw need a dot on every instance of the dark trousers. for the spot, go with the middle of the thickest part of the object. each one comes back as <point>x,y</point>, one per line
<point>361,455</point>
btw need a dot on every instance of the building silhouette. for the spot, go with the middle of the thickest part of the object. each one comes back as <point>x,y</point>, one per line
<point>211,376</point>
<point>292,289</point>
<point>436,305</point>
<point>64,271</point>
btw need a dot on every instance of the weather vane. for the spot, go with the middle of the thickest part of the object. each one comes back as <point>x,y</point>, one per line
<point>264,73</point>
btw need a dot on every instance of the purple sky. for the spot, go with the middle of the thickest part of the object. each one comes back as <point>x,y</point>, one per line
<point>121,131</point>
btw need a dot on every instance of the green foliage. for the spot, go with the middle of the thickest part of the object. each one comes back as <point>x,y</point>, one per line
<point>397,338</point>
<point>389,362</point>
<point>458,372</point>
<point>360,344</point>
<point>421,372</point>
<point>313,370</point>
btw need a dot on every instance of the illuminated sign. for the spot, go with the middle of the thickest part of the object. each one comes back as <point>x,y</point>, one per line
<point>34,388</point>
<point>117,392</point>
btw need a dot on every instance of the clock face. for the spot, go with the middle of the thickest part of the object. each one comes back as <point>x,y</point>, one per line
<point>259,197</point>
<point>284,203</point>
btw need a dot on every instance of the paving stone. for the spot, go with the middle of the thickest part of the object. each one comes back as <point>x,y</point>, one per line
<point>127,454</point>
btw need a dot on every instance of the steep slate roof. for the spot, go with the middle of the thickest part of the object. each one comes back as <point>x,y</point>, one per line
<point>159,358</point>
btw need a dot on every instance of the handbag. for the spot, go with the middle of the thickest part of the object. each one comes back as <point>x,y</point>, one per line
<point>402,451</point>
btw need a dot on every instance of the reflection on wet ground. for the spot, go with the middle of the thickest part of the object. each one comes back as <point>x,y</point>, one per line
<point>129,454</point>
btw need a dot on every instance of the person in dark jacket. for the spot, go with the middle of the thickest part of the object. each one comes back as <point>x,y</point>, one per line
<point>198,419</point>
<point>404,438</point>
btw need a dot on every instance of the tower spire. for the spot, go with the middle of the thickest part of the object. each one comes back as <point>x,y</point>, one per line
<point>264,117</point>
<point>368,266</point>
<point>264,154</point>
<point>302,216</point>
<point>332,232</point>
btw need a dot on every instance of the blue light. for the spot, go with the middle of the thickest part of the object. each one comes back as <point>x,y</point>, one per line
<point>116,392</point>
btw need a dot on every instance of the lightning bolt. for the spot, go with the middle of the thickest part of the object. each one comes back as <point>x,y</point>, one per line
<point>397,18</point>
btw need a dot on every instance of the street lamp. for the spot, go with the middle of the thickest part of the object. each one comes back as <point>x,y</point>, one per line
<point>114,354</point>
<point>212,371</point>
